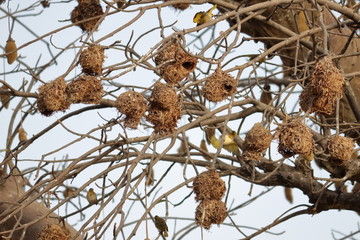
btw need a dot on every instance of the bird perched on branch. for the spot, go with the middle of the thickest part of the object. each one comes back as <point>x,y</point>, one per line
<point>160,224</point>
<point>229,144</point>
<point>91,196</point>
<point>204,17</point>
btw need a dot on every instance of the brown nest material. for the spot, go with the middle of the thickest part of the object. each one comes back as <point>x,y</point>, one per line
<point>294,138</point>
<point>340,148</point>
<point>54,232</point>
<point>133,105</point>
<point>324,87</point>
<point>88,1</point>
<point>210,212</point>
<point>84,89</point>
<point>209,185</point>
<point>86,10</point>
<point>165,120</point>
<point>92,59</point>
<point>175,64</point>
<point>258,139</point>
<point>164,96</point>
<point>52,97</point>
<point>180,6</point>
<point>219,86</point>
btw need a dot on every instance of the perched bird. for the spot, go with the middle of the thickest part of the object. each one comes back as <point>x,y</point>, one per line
<point>203,17</point>
<point>69,192</point>
<point>229,144</point>
<point>160,224</point>
<point>265,96</point>
<point>91,196</point>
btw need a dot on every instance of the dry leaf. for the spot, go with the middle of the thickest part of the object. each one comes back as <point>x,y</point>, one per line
<point>22,135</point>
<point>5,99</point>
<point>204,147</point>
<point>9,48</point>
<point>289,195</point>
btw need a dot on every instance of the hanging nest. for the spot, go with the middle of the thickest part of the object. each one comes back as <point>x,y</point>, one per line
<point>85,89</point>
<point>92,59</point>
<point>209,185</point>
<point>219,86</point>
<point>175,64</point>
<point>294,138</point>
<point>324,87</point>
<point>54,232</point>
<point>258,139</point>
<point>340,148</point>
<point>165,120</point>
<point>180,6</point>
<point>210,212</point>
<point>164,96</point>
<point>133,105</point>
<point>86,10</point>
<point>52,97</point>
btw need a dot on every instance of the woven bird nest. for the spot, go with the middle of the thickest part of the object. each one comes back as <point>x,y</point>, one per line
<point>209,185</point>
<point>175,64</point>
<point>52,97</point>
<point>324,87</point>
<point>340,148</point>
<point>219,86</point>
<point>210,212</point>
<point>85,89</point>
<point>179,6</point>
<point>294,138</point>
<point>86,10</point>
<point>91,60</point>
<point>54,232</point>
<point>257,140</point>
<point>165,120</point>
<point>164,96</point>
<point>133,105</point>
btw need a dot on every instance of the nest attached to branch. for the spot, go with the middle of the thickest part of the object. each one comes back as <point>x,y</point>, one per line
<point>164,96</point>
<point>294,138</point>
<point>52,97</point>
<point>209,185</point>
<point>54,232</point>
<point>324,87</point>
<point>133,105</point>
<point>85,10</point>
<point>164,119</point>
<point>210,212</point>
<point>175,64</point>
<point>84,89</point>
<point>92,59</point>
<point>257,140</point>
<point>340,148</point>
<point>219,86</point>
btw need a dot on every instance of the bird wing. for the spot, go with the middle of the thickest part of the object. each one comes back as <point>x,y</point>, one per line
<point>198,17</point>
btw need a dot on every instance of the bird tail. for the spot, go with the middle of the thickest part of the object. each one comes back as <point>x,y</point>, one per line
<point>212,9</point>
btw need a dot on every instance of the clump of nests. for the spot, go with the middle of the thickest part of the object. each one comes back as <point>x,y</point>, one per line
<point>340,149</point>
<point>85,10</point>
<point>209,185</point>
<point>52,97</point>
<point>84,89</point>
<point>219,85</point>
<point>257,140</point>
<point>180,6</point>
<point>294,138</point>
<point>164,108</point>
<point>54,232</point>
<point>209,188</point>
<point>91,60</point>
<point>175,64</point>
<point>133,105</point>
<point>324,87</point>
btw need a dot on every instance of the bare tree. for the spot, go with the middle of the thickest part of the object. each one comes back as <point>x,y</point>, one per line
<point>119,108</point>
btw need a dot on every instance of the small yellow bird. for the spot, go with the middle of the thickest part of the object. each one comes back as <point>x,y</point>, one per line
<point>160,224</point>
<point>91,196</point>
<point>229,144</point>
<point>204,17</point>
